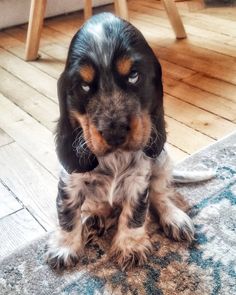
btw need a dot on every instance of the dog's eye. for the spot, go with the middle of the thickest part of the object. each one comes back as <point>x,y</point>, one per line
<point>133,77</point>
<point>85,87</point>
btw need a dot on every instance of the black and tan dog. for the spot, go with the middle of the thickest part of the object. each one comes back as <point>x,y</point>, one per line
<point>110,140</point>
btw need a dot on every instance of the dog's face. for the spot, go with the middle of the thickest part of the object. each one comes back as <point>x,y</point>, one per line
<point>110,95</point>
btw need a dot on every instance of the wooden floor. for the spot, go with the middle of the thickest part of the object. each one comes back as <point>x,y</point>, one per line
<point>200,103</point>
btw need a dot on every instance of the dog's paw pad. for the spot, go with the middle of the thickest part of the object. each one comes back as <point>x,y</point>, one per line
<point>178,226</point>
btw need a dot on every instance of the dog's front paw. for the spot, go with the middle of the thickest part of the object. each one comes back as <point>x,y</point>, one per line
<point>130,250</point>
<point>61,253</point>
<point>178,225</point>
<point>61,258</point>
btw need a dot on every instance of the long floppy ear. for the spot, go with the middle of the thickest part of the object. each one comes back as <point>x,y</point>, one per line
<point>157,138</point>
<point>158,133</point>
<point>71,156</point>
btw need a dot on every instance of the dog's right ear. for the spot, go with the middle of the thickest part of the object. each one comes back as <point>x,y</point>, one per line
<point>71,157</point>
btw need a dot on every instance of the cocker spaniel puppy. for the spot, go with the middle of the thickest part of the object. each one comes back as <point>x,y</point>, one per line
<point>110,141</point>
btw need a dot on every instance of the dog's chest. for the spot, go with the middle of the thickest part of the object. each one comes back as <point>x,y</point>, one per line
<point>128,170</point>
<point>118,176</point>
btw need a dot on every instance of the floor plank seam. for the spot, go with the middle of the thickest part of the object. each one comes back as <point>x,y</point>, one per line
<point>199,107</point>
<point>35,218</point>
<point>27,83</point>
<point>192,127</point>
<point>12,213</point>
<point>12,193</point>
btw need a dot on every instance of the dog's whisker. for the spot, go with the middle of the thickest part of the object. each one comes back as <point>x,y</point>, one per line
<point>155,137</point>
<point>76,129</point>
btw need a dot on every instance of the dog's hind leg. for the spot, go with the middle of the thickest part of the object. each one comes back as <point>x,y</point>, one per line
<point>168,205</point>
<point>175,222</point>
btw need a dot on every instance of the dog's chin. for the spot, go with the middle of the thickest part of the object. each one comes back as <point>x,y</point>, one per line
<point>126,147</point>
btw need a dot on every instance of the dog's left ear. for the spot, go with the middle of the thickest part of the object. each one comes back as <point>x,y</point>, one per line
<point>158,134</point>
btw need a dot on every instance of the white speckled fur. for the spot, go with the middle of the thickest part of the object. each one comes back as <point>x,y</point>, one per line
<point>118,181</point>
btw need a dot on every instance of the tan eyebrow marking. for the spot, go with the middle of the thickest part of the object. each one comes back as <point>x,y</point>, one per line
<point>124,65</point>
<point>87,73</point>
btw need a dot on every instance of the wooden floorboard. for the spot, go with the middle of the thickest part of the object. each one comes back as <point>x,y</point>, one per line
<point>199,75</point>
<point>198,119</point>
<point>202,99</point>
<point>215,86</point>
<point>34,186</point>
<point>29,134</point>
<point>9,204</point>
<point>37,79</point>
<point>29,100</point>
<point>16,230</point>
<point>4,138</point>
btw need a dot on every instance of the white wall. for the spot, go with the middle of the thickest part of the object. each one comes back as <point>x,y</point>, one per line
<point>14,12</point>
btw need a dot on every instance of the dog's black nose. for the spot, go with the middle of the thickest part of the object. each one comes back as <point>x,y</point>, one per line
<point>116,134</point>
<point>115,140</point>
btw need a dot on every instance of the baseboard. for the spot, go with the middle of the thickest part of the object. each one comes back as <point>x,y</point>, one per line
<point>15,12</point>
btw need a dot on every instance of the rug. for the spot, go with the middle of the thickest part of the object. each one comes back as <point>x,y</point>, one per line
<point>208,266</point>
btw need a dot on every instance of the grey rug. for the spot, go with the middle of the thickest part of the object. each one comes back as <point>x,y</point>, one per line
<point>208,266</point>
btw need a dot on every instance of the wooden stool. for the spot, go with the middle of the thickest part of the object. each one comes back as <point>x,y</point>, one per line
<point>37,11</point>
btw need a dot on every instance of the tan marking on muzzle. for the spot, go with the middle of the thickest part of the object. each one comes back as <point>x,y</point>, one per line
<point>124,65</point>
<point>87,73</point>
<point>100,146</point>
<point>94,140</point>
<point>140,131</point>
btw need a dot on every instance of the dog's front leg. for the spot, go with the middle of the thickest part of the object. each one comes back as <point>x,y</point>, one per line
<point>131,244</point>
<point>65,245</point>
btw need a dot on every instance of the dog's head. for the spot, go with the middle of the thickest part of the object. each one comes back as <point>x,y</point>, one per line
<point>110,95</point>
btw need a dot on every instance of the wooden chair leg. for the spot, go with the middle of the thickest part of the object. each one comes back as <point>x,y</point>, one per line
<point>35,25</point>
<point>175,19</point>
<point>87,9</point>
<point>121,9</point>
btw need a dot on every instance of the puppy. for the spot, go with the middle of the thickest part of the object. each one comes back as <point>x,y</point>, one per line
<point>110,141</point>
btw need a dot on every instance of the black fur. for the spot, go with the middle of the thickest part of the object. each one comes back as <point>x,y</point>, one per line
<point>67,212</point>
<point>139,211</point>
